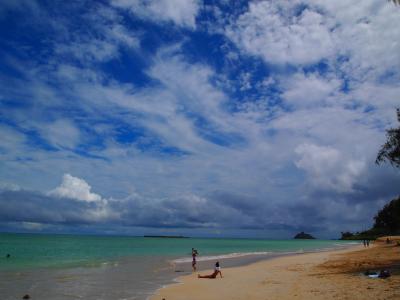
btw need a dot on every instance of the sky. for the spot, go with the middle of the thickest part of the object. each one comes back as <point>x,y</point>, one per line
<point>221,118</point>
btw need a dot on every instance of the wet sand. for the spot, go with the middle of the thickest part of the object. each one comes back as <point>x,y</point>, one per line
<point>323,275</point>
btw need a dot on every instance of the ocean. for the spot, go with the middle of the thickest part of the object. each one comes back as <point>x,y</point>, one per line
<point>119,267</point>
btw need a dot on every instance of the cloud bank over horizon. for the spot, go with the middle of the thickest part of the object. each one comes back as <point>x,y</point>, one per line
<point>199,118</point>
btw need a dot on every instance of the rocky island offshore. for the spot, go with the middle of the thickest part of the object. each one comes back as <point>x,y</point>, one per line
<point>304,236</point>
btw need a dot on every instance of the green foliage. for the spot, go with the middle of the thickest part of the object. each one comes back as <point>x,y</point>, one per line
<point>390,151</point>
<point>387,222</point>
<point>388,218</point>
<point>347,235</point>
<point>371,234</point>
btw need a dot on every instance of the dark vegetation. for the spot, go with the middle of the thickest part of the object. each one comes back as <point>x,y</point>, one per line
<point>390,151</point>
<point>387,220</point>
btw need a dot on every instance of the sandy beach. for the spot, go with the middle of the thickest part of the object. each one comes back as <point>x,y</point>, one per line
<point>322,275</point>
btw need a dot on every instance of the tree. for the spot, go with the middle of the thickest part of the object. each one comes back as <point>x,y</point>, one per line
<point>387,219</point>
<point>390,151</point>
<point>347,235</point>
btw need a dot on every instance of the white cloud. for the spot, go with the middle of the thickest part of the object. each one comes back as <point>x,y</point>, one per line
<point>75,188</point>
<point>382,97</point>
<point>183,107</point>
<point>9,186</point>
<point>328,168</point>
<point>33,226</point>
<point>91,50</point>
<point>345,128</point>
<point>364,33</point>
<point>311,90</point>
<point>102,40</point>
<point>10,140</point>
<point>273,31</point>
<point>61,133</point>
<point>181,12</point>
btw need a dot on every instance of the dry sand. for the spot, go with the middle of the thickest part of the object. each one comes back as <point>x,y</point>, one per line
<point>323,275</point>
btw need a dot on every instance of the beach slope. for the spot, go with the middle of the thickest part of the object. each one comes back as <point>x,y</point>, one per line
<point>322,275</point>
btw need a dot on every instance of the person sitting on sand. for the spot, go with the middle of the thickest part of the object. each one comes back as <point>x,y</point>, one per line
<point>384,274</point>
<point>217,270</point>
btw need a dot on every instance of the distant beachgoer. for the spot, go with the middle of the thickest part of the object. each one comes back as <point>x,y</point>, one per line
<point>365,243</point>
<point>387,241</point>
<point>384,274</point>
<point>194,262</point>
<point>217,270</point>
<point>368,272</point>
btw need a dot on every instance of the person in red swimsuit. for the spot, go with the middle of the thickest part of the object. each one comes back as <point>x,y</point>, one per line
<point>217,270</point>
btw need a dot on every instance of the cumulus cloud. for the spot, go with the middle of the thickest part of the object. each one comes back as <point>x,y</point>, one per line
<point>172,136</point>
<point>35,210</point>
<point>71,203</point>
<point>75,188</point>
<point>181,12</point>
<point>328,168</point>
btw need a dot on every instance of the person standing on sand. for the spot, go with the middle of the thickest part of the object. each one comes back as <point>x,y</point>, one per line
<point>194,262</point>
<point>217,270</point>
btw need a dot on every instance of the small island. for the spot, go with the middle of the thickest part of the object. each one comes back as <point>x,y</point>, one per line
<point>166,236</point>
<point>304,236</point>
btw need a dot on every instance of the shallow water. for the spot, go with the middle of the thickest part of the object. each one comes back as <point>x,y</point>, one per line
<point>124,279</point>
<point>111,268</point>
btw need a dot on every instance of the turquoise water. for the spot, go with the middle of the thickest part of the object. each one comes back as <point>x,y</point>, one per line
<point>29,251</point>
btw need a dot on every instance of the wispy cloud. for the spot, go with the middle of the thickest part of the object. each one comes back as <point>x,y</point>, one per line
<point>270,122</point>
<point>180,12</point>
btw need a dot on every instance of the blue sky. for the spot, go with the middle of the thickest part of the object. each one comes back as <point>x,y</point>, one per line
<point>201,118</point>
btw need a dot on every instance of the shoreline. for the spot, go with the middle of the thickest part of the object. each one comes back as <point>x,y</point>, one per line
<point>266,254</point>
<point>122,268</point>
<point>233,260</point>
<point>276,277</point>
